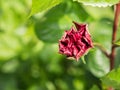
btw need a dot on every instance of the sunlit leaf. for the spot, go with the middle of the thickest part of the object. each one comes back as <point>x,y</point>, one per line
<point>12,14</point>
<point>112,78</point>
<point>117,43</point>
<point>99,3</point>
<point>9,45</point>
<point>43,5</point>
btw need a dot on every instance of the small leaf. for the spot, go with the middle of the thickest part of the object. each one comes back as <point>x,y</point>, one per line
<point>117,42</point>
<point>83,59</point>
<point>99,3</point>
<point>112,78</point>
<point>43,5</point>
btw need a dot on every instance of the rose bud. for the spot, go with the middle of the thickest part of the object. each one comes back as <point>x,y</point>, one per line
<point>75,42</point>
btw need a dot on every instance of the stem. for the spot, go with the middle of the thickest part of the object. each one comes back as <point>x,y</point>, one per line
<point>115,26</point>
<point>102,49</point>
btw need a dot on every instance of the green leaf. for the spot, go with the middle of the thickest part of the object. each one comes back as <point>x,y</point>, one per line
<point>48,30</point>
<point>95,87</point>
<point>43,5</point>
<point>117,42</point>
<point>112,78</point>
<point>8,50</point>
<point>12,14</point>
<point>50,57</point>
<point>7,82</point>
<point>117,58</point>
<point>95,12</point>
<point>98,64</point>
<point>102,34</point>
<point>99,3</point>
<point>51,27</point>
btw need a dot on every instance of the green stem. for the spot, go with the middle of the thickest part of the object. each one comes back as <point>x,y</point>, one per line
<point>102,49</point>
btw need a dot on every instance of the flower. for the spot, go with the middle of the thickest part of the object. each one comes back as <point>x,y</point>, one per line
<point>75,42</point>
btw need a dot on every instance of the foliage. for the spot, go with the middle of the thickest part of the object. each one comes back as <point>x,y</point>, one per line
<point>99,3</point>
<point>112,78</point>
<point>42,5</point>
<point>117,42</point>
<point>29,58</point>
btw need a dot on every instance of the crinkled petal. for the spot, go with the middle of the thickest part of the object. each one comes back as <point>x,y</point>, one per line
<point>75,43</point>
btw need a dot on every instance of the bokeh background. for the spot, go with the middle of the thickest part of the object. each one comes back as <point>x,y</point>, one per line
<point>29,58</point>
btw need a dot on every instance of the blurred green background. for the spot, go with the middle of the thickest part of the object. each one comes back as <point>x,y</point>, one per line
<point>29,58</point>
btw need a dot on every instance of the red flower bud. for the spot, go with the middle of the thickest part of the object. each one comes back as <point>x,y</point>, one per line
<point>75,42</point>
